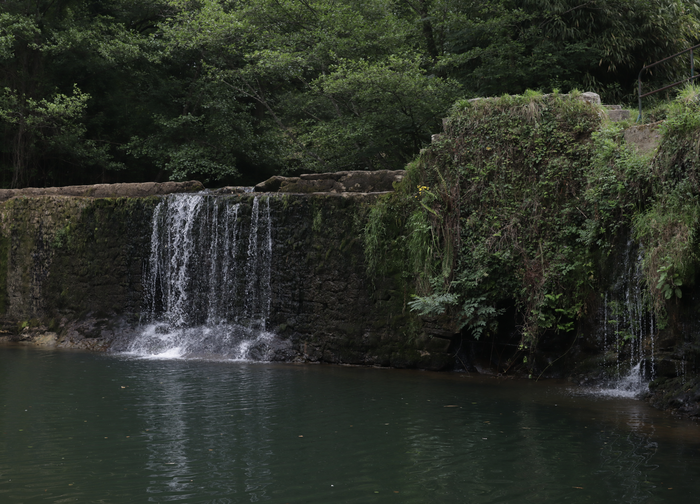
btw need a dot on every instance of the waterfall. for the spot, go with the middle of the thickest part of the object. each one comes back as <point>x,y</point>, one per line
<point>628,327</point>
<point>631,385</point>
<point>207,290</point>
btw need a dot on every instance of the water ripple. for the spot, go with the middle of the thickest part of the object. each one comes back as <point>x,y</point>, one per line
<point>101,429</point>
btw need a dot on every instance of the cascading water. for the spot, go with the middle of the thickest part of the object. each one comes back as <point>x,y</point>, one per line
<point>631,385</point>
<point>207,283</point>
<point>627,324</point>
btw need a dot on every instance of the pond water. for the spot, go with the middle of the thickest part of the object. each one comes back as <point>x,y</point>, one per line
<point>77,427</point>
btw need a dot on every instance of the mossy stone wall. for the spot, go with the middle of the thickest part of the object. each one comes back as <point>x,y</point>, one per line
<point>67,257</point>
<point>65,260</point>
<point>323,299</point>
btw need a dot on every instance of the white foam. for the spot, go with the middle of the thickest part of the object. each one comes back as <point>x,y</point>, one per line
<point>171,353</point>
<point>630,386</point>
<point>208,281</point>
<point>224,341</point>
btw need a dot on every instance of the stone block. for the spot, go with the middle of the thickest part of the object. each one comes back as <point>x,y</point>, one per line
<point>617,115</point>
<point>589,97</point>
<point>645,137</point>
<point>338,182</point>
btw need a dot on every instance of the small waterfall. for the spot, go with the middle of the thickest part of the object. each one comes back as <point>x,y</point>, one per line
<point>628,327</point>
<point>631,385</point>
<point>207,282</point>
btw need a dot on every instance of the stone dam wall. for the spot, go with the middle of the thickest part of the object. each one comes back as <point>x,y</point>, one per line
<point>73,271</point>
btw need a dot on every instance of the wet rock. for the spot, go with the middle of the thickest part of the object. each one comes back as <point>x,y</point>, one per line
<point>662,366</point>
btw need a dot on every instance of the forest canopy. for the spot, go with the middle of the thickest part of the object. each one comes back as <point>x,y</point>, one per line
<point>234,91</point>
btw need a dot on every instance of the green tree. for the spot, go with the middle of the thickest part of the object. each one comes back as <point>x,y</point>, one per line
<point>508,46</point>
<point>329,85</point>
<point>58,61</point>
<point>233,92</point>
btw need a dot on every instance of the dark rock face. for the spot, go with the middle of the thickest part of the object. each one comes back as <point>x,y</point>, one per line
<point>63,258</point>
<point>322,298</point>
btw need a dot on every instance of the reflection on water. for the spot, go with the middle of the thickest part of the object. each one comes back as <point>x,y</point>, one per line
<point>90,428</point>
<point>168,464</point>
<point>220,421</point>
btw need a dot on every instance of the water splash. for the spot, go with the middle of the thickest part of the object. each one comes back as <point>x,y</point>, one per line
<point>208,281</point>
<point>632,385</point>
<point>222,342</point>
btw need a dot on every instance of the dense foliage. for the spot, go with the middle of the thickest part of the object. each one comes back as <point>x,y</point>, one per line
<point>669,224</point>
<point>495,211</point>
<point>509,46</point>
<point>235,91</point>
<point>522,205</point>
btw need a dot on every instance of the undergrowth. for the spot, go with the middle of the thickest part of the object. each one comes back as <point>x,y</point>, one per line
<point>521,201</point>
<point>668,225</point>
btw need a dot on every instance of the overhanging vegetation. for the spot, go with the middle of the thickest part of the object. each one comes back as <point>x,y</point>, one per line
<point>521,203</point>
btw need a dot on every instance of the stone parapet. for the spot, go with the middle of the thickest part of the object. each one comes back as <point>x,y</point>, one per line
<point>337,182</point>
<point>133,190</point>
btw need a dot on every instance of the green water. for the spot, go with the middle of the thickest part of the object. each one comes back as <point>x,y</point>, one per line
<point>86,428</point>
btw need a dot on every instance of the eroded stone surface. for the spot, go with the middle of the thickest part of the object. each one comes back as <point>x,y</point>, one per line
<point>106,190</point>
<point>589,97</point>
<point>645,137</point>
<point>338,182</point>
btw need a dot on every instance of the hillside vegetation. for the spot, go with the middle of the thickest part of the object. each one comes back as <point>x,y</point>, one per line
<point>512,219</point>
<point>230,91</point>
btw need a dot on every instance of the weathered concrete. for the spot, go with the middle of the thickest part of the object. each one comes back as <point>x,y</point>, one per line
<point>616,113</point>
<point>590,97</point>
<point>645,137</point>
<point>135,190</point>
<point>338,182</point>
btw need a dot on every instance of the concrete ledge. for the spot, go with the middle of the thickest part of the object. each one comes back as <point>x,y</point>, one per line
<point>337,182</point>
<point>645,137</point>
<point>106,190</point>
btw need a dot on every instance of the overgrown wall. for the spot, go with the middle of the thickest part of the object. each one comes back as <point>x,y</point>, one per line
<point>552,242</point>
<point>530,237</point>
<point>68,259</point>
<point>323,299</point>
<point>73,268</point>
